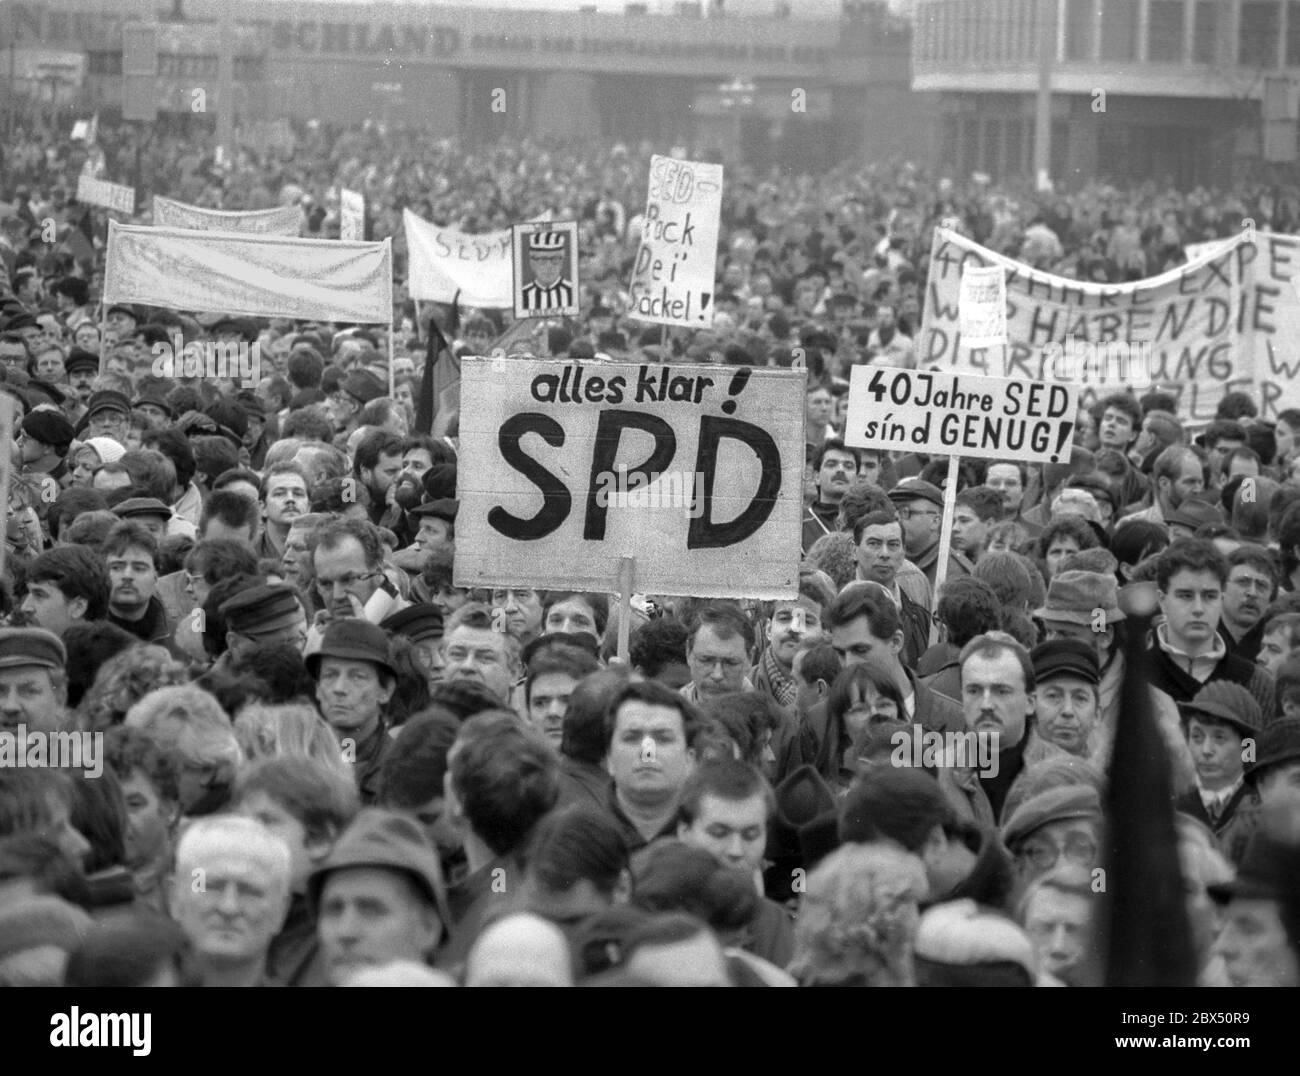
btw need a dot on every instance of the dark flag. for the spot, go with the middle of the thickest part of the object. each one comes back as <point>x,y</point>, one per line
<point>1147,936</point>
<point>440,368</point>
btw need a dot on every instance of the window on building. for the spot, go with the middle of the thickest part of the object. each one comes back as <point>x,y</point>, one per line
<point>1078,29</point>
<point>1165,31</point>
<point>1204,39</point>
<point>104,63</point>
<point>1293,37</point>
<point>1257,42</point>
<point>1119,29</point>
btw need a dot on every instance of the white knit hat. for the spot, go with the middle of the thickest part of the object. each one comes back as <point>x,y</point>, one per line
<point>108,450</point>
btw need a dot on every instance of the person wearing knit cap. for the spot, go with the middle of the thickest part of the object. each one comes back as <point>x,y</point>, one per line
<point>1218,721</point>
<point>90,455</point>
<point>262,617</point>
<point>43,443</point>
<point>233,916</point>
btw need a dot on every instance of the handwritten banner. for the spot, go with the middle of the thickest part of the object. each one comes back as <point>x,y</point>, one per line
<point>1228,322</point>
<point>283,220</point>
<point>91,191</point>
<point>960,415</point>
<point>982,305</point>
<point>352,215</point>
<point>255,275</point>
<point>444,261</point>
<point>696,471</point>
<point>672,278</point>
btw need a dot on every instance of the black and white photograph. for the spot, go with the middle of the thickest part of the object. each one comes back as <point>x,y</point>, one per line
<point>654,494</point>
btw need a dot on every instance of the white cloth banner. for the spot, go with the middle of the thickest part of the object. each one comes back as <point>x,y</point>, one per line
<point>283,220</point>
<point>352,215</point>
<point>91,191</point>
<point>254,275</point>
<point>443,261</point>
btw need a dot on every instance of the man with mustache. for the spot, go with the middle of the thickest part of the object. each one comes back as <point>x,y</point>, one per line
<point>836,469</point>
<point>997,698</point>
<point>1252,585</point>
<point>131,553</point>
<point>284,501</point>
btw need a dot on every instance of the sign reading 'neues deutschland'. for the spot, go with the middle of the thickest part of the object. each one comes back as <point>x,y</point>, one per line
<point>951,414</point>
<point>566,467</point>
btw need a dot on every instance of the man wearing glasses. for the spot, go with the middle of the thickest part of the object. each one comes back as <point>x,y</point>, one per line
<point>1060,825</point>
<point>108,414</point>
<point>920,510</point>
<point>349,569</point>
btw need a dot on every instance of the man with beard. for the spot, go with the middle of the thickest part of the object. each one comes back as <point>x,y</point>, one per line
<point>355,681</point>
<point>82,368</point>
<point>718,653</point>
<point>837,467</point>
<point>131,554</point>
<point>1179,473</point>
<point>284,498</point>
<point>1251,587</point>
<point>377,464</point>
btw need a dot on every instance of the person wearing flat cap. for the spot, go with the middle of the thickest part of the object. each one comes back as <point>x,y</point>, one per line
<point>1059,824</point>
<point>355,680</point>
<point>43,443</point>
<point>1217,723</point>
<point>108,414</point>
<point>1085,606</point>
<point>422,624</point>
<point>382,860</point>
<point>33,679</point>
<point>262,617</point>
<point>82,368</point>
<point>346,401</point>
<point>121,320</point>
<point>920,510</point>
<point>1066,682</point>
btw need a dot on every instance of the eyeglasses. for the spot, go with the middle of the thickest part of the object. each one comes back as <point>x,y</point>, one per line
<point>908,513</point>
<point>347,582</point>
<point>1044,855</point>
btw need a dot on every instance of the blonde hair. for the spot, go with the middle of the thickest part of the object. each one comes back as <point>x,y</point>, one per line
<point>293,730</point>
<point>189,722</point>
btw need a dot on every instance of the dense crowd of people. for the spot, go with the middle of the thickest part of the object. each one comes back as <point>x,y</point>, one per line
<point>309,758</point>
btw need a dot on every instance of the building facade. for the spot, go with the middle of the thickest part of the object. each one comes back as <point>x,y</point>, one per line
<point>1194,91</point>
<point>772,89</point>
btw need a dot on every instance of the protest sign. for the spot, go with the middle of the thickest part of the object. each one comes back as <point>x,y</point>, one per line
<point>282,220</point>
<point>982,306</point>
<point>951,414</point>
<point>1194,251</point>
<point>1229,322</point>
<point>443,261</point>
<point>545,262</point>
<point>672,278</point>
<point>352,215</point>
<point>99,192</point>
<point>255,275</point>
<point>696,472</point>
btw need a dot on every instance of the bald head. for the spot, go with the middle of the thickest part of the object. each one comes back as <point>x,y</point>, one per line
<point>520,950</point>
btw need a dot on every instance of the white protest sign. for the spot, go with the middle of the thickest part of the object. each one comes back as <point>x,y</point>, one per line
<point>443,261</point>
<point>1196,251</point>
<point>982,305</point>
<point>99,192</point>
<point>673,276</point>
<point>951,414</point>
<point>567,467</point>
<point>282,220</point>
<point>255,275</point>
<point>352,215</point>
